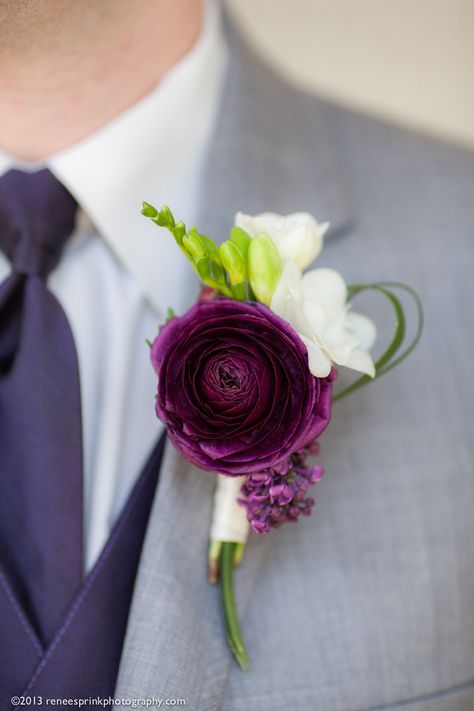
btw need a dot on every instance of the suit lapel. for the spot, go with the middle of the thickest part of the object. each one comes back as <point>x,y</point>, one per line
<point>175,643</point>
<point>175,635</point>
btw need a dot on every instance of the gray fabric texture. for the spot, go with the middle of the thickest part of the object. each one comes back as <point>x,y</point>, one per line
<point>368,604</point>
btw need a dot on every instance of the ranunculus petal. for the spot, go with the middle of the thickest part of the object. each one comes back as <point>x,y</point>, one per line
<point>234,389</point>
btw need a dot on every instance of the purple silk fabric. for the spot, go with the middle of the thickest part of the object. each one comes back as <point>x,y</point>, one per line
<point>40,405</point>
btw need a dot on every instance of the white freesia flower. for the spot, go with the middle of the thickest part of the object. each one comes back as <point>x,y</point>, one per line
<point>298,236</point>
<point>315,304</point>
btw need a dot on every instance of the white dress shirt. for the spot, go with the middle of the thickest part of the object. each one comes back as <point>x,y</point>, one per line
<point>119,273</point>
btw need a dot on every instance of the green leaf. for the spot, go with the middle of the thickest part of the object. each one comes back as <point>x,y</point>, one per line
<point>420,325</point>
<point>387,360</point>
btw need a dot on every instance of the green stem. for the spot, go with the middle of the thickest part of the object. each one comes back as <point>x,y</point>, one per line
<point>234,635</point>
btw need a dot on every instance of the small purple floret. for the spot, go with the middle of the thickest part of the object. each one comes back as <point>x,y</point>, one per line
<point>279,494</point>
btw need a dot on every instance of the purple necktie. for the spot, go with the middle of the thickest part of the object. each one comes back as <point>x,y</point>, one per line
<point>40,406</point>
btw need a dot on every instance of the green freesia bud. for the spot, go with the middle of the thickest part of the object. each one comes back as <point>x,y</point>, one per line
<point>240,238</point>
<point>194,245</point>
<point>148,210</point>
<point>233,262</point>
<point>165,218</point>
<point>264,267</point>
<point>201,251</point>
<point>217,270</point>
<point>203,267</point>
<point>209,244</point>
<point>179,231</point>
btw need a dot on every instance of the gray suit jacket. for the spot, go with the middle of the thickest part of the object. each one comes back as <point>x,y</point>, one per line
<point>369,603</point>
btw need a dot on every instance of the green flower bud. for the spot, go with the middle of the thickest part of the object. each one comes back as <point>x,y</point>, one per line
<point>217,270</point>
<point>240,238</point>
<point>209,244</point>
<point>165,218</point>
<point>233,262</point>
<point>179,231</point>
<point>148,210</point>
<point>193,244</point>
<point>203,267</point>
<point>264,267</point>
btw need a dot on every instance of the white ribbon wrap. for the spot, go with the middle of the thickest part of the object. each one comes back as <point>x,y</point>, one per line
<point>229,519</point>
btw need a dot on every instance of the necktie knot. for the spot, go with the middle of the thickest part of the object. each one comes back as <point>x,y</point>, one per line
<point>37,217</point>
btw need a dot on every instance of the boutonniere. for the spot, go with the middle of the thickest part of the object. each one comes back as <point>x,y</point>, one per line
<point>246,375</point>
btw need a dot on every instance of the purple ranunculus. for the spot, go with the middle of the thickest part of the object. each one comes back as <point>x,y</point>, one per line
<point>234,387</point>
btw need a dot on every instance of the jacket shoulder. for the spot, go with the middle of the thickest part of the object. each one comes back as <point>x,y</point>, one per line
<point>300,121</point>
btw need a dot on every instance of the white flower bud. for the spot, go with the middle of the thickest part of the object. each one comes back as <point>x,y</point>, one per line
<point>297,237</point>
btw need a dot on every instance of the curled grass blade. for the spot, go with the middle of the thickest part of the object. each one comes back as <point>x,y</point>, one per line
<point>389,359</point>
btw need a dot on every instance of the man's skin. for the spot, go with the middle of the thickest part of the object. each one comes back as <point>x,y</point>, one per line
<point>67,67</point>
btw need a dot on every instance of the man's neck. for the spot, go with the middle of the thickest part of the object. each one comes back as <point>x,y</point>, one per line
<point>68,72</point>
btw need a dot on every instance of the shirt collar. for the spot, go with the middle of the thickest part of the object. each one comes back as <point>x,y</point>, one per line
<point>155,152</point>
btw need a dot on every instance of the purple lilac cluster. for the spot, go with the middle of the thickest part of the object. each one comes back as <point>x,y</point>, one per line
<point>278,495</point>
